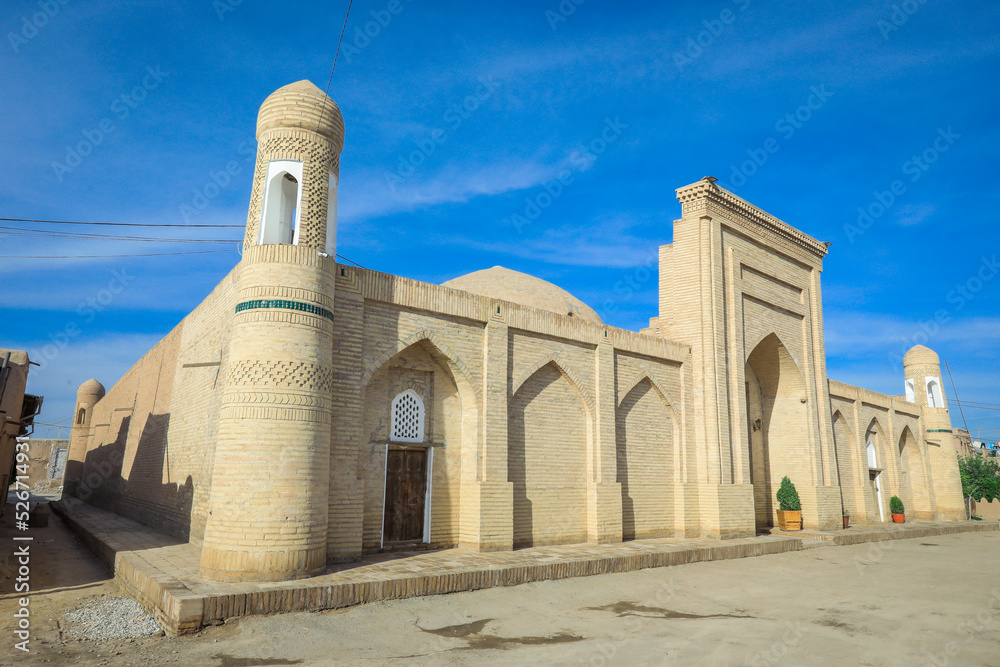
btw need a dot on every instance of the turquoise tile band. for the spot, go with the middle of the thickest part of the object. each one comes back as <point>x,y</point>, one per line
<point>287,305</point>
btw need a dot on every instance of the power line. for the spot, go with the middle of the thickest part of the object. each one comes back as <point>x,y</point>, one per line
<point>955,389</point>
<point>88,236</point>
<point>103,237</point>
<point>115,224</point>
<point>978,404</point>
<point>151,254</point>
<point>336,55</point>
<point>352,262</point>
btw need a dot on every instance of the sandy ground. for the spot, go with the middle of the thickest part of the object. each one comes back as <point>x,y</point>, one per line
<point>930,601</point>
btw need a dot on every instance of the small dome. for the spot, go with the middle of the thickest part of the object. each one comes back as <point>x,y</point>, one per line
<point>302,106</point>
<point>520,288</point>
<point>91,388</point>
<point>922,356</point>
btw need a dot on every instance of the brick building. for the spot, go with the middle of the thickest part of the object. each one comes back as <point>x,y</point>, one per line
<point>309,410</point>
<point>18,410</point>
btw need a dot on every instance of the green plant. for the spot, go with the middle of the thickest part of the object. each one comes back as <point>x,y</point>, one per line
<point>896,505</point>
<point>980,477</point>
<point>788,497</point>
<point>846,513</point>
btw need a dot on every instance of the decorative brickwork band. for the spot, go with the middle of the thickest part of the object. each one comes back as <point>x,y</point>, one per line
<point>288,305</point>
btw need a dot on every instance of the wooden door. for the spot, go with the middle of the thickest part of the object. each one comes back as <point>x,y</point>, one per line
<point>405,494</point>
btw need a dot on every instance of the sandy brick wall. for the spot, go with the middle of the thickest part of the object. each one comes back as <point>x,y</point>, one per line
<point>149,440</point>
<point>645,457</point>
<point>914,467</point>
<point>542,375</point>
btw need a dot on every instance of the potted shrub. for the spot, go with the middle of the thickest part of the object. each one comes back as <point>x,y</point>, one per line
<point>847,518</point>
<point>789,507</point>
<point>896,507</point>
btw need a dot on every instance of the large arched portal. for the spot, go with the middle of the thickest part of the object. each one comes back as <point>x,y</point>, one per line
<point>777,425</point>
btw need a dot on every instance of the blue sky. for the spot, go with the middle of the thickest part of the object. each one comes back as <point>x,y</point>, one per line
<point>809,110</point>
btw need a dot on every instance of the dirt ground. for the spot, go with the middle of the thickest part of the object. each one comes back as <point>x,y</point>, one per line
<point>930,601</point>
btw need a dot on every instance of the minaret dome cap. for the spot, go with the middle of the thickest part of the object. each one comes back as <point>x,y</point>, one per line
<point>302,106</point>
<point>91,388</point>
<point>920,355</point>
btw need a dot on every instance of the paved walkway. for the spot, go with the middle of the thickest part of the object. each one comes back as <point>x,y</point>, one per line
<point>162,573</point>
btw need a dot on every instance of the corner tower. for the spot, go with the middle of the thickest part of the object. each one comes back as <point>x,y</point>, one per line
<point>87,396</point>
<point>268,509</point>
<point>922,370</point>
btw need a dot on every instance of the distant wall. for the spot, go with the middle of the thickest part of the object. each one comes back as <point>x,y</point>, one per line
<point>150,439</point>
<point>989,511</point>
<point>46,464</point>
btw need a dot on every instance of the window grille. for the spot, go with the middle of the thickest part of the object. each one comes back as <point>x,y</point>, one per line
<point>407,417</point>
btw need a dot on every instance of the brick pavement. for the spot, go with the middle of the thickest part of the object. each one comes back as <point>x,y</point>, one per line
<point>162,573</point>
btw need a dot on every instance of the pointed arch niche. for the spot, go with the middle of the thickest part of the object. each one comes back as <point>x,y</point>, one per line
<point>548,439</point>
<point>848,470</point>
<point>875,499</point>
<point>776,422</point>
<point>419,415</point>
<point>913,477</point>
<point>645,438</point>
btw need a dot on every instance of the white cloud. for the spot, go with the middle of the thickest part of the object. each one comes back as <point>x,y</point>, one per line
<point>914,214</point>
<point>605,243</point>
<point>370,196</point>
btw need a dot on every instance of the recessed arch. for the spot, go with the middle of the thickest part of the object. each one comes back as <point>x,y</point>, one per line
<point>875,453</point>
<point>645,373</point>
<point>776,413</point>
<point>848,468</point>
<point>645,445</point>
<point>549,436</point>
<point>423,366</point>
<point>559,364</point>
<point>913,481</point>
<point>440,350</point>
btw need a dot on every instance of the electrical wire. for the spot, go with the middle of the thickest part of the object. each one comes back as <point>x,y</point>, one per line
<point>105,237</point>
<point>151,254</point>
<point>115,224</point>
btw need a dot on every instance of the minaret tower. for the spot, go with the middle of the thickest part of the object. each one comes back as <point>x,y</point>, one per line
<point>922,370</point>
<point>270,483</point>
<point>87,396</point>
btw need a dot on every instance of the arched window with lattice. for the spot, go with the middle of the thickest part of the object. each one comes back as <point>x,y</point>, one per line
<point>407,417</point>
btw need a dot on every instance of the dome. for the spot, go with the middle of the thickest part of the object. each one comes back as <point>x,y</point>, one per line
<point>301,105</point>
<point>920,355</point>
<point>91,388</point>
<point>520,288</point>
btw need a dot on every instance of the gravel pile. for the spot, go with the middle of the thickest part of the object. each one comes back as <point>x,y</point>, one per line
<point>109,617</point>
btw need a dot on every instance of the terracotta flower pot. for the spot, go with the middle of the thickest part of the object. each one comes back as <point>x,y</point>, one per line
<point>790,520</point>
<point>847,521</point>
<point>898,518</point>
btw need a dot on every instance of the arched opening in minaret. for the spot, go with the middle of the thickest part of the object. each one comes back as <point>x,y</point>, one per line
<point>934,397</point>
<point>282,203</point>
<point>778,420</point>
